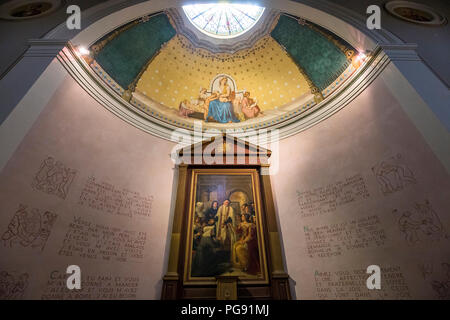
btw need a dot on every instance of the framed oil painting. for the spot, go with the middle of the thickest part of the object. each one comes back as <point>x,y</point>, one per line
<point>224,227</point>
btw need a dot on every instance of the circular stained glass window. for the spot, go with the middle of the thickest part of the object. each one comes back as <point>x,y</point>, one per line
<point>223,20</point>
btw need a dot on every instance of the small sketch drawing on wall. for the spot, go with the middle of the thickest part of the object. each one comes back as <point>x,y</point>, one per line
<point>29,228</point>
<point>426,269</point>
<point>393,175</point>
<point>420,224</point>
<point>446,267</point>
<point>442,287</point>
<point>12,287</point>
<point>53,178</point>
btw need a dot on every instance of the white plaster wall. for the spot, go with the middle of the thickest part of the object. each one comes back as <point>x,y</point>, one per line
<point>373,128</point>
<point>84,136</point>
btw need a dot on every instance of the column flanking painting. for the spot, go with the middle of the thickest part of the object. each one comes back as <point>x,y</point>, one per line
<point>224,233</point>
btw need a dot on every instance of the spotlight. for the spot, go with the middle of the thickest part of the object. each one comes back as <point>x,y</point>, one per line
<point>84,54</point>
<point>83,51</point>
<point>359,59</point>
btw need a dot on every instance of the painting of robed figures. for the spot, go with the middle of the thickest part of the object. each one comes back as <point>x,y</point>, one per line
<point>222,104</point>
<point>226,235</point>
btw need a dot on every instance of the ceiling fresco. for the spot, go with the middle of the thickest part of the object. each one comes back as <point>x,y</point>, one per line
<point>157,69</point>
<point>180,70</point>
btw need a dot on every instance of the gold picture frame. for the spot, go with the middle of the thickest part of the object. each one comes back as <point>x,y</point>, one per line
<point>251,176</point>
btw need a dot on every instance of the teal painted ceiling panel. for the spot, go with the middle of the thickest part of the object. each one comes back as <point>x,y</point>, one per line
<point>320,59</point>
<point>124,57</point>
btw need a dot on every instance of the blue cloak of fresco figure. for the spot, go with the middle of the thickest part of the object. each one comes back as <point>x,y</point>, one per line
<point>221,108</point>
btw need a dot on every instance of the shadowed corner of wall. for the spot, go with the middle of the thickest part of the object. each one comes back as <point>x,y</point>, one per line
<point>292,286</point>
<point>165,264</point>
<point>158,289</point>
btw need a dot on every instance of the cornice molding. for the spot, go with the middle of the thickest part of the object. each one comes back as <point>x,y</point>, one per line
<point>401,52</point>
<point>44,47</point>
<point>91,16</point>
<point>352,18</point>
<point>357,21</point>
<point>288,125</point>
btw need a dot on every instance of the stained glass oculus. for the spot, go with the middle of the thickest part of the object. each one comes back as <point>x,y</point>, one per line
<point>223,20</point>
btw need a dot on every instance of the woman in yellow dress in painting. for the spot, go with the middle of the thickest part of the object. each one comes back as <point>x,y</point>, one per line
<point>220,108</point>
<point>244,249</point>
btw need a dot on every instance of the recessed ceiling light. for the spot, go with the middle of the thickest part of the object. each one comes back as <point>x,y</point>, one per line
<point>27,9</point>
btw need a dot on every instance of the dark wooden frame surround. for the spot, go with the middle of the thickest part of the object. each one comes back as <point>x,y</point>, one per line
<point>278,287</point>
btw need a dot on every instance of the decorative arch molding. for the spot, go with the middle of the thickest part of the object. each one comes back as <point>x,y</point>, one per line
<point>106,96</point>
<point>346,25</point>
<point>101,19</point>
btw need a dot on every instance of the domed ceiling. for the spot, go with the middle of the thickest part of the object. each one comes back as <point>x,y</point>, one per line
<point>282,67</point>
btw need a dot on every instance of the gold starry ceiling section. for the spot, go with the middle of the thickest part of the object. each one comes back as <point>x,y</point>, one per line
<point>159,71</point>
<point>180,70</point>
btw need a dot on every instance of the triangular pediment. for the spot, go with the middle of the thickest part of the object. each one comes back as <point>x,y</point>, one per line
<point>229,147</point>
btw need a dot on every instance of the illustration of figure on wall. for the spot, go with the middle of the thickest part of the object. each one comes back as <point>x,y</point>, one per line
<point>441,283</point>
<point>196,108</point>
<point>442,289</point>
<point>421,224</point>
<point>220,108</point>
<point>426,269</point>
<point>12,287</point>
<point>53,178</point>
<point>222,104</point>
<point>29,228</point>
<point>392,175</point>
<point>446,267</point>
<point>249,106</point>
